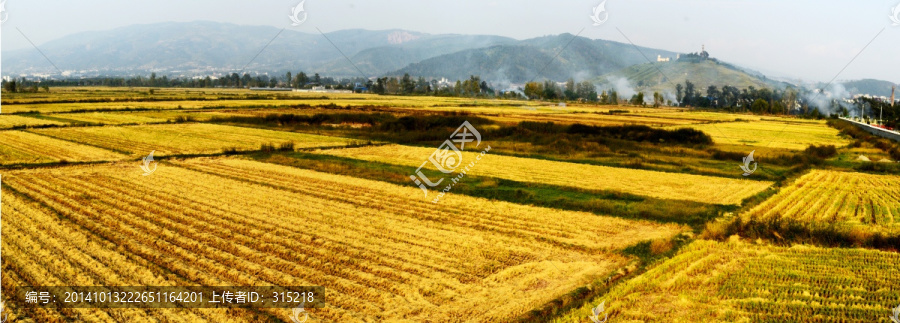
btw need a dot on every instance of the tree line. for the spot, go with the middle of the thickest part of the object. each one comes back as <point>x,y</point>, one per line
<point>571,91</point>
<point>750,99</point>
<point>234,80</point>
<point>760,101</point>
<point>474,86</point>
<point>405,85</point>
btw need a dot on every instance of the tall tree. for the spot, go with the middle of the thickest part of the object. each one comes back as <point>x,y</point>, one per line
<point>570,93</point>
<point>689,93</point>
<point>533,90</point>
<point>392,86</point>
<point>679,92</point>
<point>760,106</point>
<point>638,99</point>
<point>422,86</point>
<point>302,80</point>
<point>406,84</point>
<point>10,86</point>
<point>586,91</point>
<point>551,91</point>
<point>235,80</point>
<point>472,86</point>
<point>712,92</point>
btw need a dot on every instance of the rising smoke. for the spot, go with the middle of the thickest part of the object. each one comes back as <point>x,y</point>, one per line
<point>621,85</point>
<point>822,100</point>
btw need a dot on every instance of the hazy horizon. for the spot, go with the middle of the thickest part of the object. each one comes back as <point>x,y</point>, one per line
<point>802,40</point>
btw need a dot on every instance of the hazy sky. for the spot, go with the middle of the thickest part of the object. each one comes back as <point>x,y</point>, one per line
<point>811,40</point>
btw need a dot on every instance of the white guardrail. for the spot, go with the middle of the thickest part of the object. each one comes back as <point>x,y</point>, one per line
<point>875,130</point>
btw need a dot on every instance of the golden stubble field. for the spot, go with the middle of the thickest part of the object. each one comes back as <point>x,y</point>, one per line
<point>380,252</point>
<point>737,281</point>
<point>822,198</point>
<point>384,253</point>
<point>773,133</point>
<point>705,189</point>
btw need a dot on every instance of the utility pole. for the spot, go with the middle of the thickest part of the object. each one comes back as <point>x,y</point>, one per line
<point>880,120</point>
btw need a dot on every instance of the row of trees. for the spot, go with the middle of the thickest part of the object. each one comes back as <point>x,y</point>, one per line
<point>549,90</point>
<point>792,101</point>
<point>234,80</point>
<point>764,100</point>
<point>751,99</point>
<point>406,85</point>
<point>23,86</point>
<point>585,91</point>
<point>638,99</point>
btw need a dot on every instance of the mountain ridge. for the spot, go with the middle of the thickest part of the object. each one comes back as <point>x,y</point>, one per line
<point>213,48</point>
<point>556,58</point>
<point>664,76</point>
<point>203,46</point>
<point>200,45</point>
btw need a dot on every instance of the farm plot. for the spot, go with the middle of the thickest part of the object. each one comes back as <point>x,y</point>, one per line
<point>625,115</point>
<point>109,118</point>
<point>173,139</point>
<point>206,115</point>
<point>773,134</point>
<point>833,197</point>
<point>19,147</point>
<point>596,119</point>
<point>40,249</point>
<point>8,121</point>
<point>739,282</point>
<point>380,254</point>
<point>704,189</point>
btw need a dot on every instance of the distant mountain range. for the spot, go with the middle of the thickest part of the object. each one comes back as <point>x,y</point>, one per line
<point>870,86</point>
<point>182,48</point>
<point>207,46</point>
<point>551,57</point>
<point>202,48</point>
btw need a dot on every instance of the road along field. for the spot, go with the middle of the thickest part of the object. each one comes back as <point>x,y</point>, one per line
<point>794,135</point>
<point>823,197</point>
<point>705,189</point>
<point>188,138</point>
<point>740,282</point>
<point>19,147</point>
<point>380,253</point>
